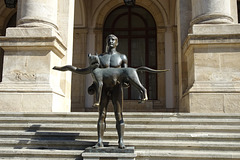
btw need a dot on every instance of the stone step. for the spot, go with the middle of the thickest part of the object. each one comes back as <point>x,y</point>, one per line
<point>40,154</point>
<point>156,136</point>
<point>112,127</point>
<point>126,114</point>
<point>186,155</point>
<point>64,135</point>
<point>139,144</point>
<point>141,154</point>
<point>164,121</point>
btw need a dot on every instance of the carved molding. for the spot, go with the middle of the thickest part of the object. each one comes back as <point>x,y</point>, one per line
<point>212,19</point>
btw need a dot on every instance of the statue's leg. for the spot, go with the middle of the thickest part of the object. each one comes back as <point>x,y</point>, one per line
<point>98,94</point>
<point>117,99</point>
<point>134,79</point>
<point>101,126</point>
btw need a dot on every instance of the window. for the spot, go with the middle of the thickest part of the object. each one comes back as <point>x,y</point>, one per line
<point>136,30</point>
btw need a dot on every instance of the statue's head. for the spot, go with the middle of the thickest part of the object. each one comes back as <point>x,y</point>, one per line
<point>111,42</point>
<point>93,59</point>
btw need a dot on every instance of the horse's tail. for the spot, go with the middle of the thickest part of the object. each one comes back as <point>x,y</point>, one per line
<point>150,70</point>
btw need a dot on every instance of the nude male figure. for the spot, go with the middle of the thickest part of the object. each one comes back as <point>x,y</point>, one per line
<point>111,58</point>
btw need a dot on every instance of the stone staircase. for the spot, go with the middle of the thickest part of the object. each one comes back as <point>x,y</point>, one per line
<point>156,136</point>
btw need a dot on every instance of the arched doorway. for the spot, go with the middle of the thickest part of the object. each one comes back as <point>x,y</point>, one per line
<point>141,40</point>
<point>136,30</point>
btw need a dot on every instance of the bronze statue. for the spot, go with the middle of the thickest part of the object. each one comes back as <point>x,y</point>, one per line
<point>110,74</point>
<point>111,58</point>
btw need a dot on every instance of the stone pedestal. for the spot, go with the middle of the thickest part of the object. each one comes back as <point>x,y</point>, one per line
<point>213,56</point>
<point>109,153</point>
<point>31,49</point>
<point>29,83</point>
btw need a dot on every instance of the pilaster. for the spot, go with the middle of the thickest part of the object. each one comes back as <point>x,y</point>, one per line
<point>79,60</point>
<point>170,61</point>
<point>160,65</point>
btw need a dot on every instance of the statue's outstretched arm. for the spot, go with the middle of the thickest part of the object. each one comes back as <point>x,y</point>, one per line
<point>75,69</point>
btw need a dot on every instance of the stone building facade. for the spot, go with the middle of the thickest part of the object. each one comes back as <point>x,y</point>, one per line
<point>198,40</point>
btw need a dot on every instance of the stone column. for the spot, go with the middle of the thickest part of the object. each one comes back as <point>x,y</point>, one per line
<point>211,12</point>
<point>161,63</point>
<point>37,13</point>
<point>212,53</point>
<point>30,51</point>
<point>94,39</point>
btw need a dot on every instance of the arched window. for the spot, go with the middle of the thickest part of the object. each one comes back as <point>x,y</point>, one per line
<point>136,30</point>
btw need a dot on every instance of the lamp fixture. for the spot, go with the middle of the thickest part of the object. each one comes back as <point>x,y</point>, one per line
<point>129,3</point>
<point>10,3</point>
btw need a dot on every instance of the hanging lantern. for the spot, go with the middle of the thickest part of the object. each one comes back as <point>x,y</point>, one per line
<point>129,3</point>
<point>10,3</point>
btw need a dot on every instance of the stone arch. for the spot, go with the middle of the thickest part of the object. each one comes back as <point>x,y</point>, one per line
<point>162,19</point>
<point>5,15</point>
<point>155,8</point>
<point>79,55</point>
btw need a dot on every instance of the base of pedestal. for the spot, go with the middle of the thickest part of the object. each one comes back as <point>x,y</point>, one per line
<point>211,103</point>
<point>29,84</point>
<point>31,98</point>
<point>109,153</point>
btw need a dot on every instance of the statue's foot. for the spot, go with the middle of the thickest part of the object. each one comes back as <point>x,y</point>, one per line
<point>99,144</point>
<point>121,145</point>
<point>143,100</point>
